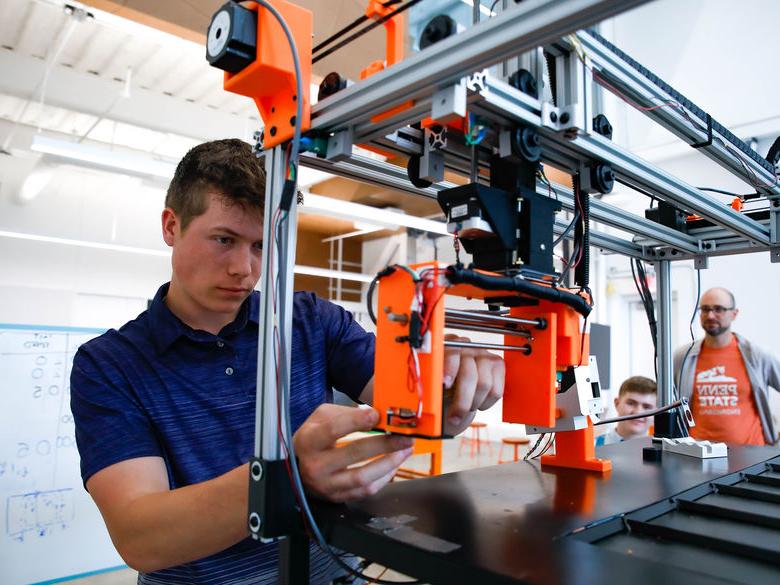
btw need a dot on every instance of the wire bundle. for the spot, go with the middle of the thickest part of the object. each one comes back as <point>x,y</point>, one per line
<point>535,452</point>
<point>646,297</point>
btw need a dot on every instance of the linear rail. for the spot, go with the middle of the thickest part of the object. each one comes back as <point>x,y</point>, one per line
<point>648,90</point>
<point>529,25</point>
<point>501,98</point>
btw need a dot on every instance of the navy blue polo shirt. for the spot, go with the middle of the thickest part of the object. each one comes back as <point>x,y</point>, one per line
<point>157,387</point>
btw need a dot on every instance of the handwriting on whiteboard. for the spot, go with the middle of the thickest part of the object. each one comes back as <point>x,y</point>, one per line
<point>38,514</point>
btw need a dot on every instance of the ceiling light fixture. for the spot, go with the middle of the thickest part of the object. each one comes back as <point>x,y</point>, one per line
<point>127,162</point>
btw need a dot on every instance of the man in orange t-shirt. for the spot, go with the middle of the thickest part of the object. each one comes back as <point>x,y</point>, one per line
<point>726,378</point>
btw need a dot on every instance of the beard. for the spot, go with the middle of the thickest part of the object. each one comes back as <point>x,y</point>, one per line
<point>715,329</point>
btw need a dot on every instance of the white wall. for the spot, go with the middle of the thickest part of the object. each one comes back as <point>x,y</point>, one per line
<point>715,52</point>
<point>53,284</point>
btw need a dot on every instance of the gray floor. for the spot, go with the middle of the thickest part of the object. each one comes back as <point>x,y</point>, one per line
<point>121,577</point>
<point>455,457</point>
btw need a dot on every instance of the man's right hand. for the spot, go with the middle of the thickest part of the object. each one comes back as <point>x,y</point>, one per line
<point>331,472</point>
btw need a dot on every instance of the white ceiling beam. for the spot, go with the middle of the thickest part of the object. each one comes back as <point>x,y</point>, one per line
<point>147,109</point>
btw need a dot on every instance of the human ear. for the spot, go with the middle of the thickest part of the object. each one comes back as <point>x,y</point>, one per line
<point>170,225</point>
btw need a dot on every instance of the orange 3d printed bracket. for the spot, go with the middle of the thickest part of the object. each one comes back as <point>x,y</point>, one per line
<point>551,384</point>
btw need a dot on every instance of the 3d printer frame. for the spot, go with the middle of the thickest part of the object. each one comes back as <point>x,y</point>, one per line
<point>398,110</point>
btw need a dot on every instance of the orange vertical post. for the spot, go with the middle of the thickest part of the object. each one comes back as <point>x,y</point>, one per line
<point>394,50</point>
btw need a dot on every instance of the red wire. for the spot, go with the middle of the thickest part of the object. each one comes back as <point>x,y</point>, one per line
<point>278,347</point>
<point>601,81</point>
<point>622,96</point>
<point>287,161</point>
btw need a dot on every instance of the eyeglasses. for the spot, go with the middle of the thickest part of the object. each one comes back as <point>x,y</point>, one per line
<point>717,309</point>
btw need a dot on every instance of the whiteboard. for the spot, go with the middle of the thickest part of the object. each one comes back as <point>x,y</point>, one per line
<point>49,527</point>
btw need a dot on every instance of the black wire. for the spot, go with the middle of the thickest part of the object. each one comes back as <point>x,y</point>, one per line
<point>646,297</point>
<point>582,336</point>
<point>567,268</point>
<point>547,446</point>
<point>364,30</point>
<point>532,449</point>
<point>550,186</point>
<point>718,191</point>
<point>370,299</point>
<point>493,6</point>
<point>643,414</point>
<point>568,229</point>
<point>348,28</point>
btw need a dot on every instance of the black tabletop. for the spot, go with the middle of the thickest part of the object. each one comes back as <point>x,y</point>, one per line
<point>503,524</point>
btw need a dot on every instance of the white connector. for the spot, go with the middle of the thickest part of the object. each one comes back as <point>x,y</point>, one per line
<point>693,448</point>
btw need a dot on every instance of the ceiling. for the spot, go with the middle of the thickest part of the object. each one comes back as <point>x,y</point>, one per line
<point>190,19</point>
<point>106,80</point>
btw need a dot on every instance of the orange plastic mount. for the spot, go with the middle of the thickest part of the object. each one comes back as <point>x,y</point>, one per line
<point>531,384</point>
<point>394,33</point>
<point>531,379</point>
<point>394,50</point>
<point>270,80</point>
<point>575,449</point>
<point>393,388</point>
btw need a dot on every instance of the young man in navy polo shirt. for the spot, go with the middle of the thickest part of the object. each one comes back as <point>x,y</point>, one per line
<point>164,406</point>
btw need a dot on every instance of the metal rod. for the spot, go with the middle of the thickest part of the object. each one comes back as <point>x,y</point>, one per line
<point>643,414</point>
<point>522,348</point>
<point>664,293</point>
<point>482,317</point>
<point>496,330</point>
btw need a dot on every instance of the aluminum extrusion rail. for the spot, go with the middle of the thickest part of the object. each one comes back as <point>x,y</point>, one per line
<point>604,241</point>
<point>645,177</point>
<point>626,221</point>
<point>529,25</point>
<point>392,176</point>
<point>646,89</point>
<point>499,96</point>
<point>374,172</point>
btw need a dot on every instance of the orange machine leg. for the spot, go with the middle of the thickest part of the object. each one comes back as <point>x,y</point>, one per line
<point>575,449</point>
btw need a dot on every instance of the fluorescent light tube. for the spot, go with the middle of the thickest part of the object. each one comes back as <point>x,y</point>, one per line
<point>87,153</point>
<point>319,205</point>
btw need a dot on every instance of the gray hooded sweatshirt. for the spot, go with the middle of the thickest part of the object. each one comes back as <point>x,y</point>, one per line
<point>763,370</point>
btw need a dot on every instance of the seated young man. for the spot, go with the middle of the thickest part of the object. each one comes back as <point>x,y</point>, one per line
<point>637,394</point>
<point>165,406</point>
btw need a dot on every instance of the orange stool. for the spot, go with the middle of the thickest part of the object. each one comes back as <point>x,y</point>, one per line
<point>422,446</point>
<point>475,441</point>
<point>514,442</point>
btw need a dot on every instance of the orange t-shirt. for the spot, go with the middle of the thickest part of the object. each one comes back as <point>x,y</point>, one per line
<point>722,403</point>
